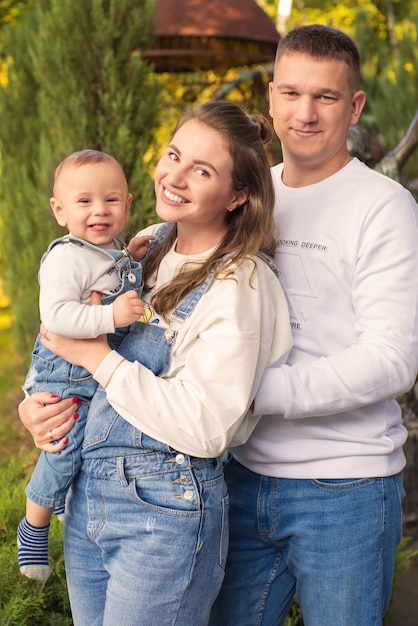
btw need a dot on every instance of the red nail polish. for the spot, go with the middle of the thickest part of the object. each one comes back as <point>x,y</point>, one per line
<point>76,401</point>
<point>65,441</point>
<point>53,395</point>
<point>76,416</point>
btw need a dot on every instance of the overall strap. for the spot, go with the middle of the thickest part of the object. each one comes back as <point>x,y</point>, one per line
<point>120,255</point>
<point>160,234</point>
<point>120,246</point>
<point>269,262</point>
<point>186,307</point>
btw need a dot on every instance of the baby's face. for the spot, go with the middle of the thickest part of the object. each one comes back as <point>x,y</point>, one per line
<point>92,201</point>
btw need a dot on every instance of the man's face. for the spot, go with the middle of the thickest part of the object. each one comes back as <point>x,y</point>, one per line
<point>312,103</point>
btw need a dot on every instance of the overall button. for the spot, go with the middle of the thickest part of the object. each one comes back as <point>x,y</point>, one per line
<point>169,334</point>
<point>188,495</point>
<point>180,459</point>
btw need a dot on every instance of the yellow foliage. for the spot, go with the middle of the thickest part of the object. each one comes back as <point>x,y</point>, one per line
<point>3,74</point>
<point>391,77</point>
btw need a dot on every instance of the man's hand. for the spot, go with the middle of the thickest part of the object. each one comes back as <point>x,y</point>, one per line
<point>127,308</point>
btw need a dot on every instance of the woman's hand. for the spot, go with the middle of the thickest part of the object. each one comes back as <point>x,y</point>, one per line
<point>87,353</point>
<point>48,419</point>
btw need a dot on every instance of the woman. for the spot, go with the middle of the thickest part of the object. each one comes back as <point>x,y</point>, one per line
<point>146,528</point>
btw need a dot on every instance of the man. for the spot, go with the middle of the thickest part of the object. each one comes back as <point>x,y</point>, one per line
<point>316,492</point>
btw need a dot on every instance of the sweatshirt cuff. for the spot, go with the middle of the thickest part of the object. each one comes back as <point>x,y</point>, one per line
<point>107,368</point>
<point>270,398</point>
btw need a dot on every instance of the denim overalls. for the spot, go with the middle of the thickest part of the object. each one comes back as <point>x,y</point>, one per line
<point>146,526</point>
<point>48,372</point>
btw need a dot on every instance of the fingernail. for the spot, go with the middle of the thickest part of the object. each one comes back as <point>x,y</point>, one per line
<point>76,401</point>
<point>65,441</point>
<point>76,416</point>
<point>99,293</point>
<point>53,395</point>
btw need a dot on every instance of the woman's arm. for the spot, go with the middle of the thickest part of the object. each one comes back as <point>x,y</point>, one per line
<point>87,353</point>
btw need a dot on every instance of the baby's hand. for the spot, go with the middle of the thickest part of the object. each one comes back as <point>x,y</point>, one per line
<point>127,308</point>
<point>138,246</point>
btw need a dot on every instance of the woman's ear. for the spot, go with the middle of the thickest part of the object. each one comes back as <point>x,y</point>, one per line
<point>239,199</point>
<point>57,211</point>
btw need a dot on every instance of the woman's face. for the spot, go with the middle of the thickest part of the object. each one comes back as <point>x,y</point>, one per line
<point>193,180</point>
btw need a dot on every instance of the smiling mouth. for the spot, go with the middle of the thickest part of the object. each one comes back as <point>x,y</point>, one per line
<point>308,132</point>
<point>99,226</point>
<point>173,197</point>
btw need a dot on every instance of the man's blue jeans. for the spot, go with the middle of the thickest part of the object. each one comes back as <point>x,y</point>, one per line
<point>332,542</point>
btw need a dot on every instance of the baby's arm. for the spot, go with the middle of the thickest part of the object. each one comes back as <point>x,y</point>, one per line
<point>127,308</point>
<point>138,246</point>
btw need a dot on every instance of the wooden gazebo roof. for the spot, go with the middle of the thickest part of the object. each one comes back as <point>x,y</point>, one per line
<point>196,35</point>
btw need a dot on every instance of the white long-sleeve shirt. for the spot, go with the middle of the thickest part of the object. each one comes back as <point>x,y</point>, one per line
<point>202,403</point>
<point>68,275</point>
<point>348,252</point>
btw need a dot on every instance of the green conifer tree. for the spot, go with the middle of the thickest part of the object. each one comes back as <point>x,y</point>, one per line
<point>76,79</point>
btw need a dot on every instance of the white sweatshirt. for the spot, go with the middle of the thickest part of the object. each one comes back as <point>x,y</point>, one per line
<point>348,251</point>
<point>202,403</point>
<point>68,275</point>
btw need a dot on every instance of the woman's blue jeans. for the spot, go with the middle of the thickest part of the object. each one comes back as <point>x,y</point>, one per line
<point>332,542</point>
<point>146,540</point>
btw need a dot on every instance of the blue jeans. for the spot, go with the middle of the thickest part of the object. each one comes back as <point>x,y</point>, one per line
<point>146,539</point>
<point>332,542</point>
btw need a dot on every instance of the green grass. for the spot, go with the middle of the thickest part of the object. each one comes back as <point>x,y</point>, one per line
<point>13,437</point>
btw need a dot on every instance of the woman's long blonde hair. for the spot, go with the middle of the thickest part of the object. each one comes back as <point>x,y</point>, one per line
<point>250,227</point>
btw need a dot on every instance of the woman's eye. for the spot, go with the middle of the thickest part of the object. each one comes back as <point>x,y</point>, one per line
<point>173,156</point>
<point>202,172</point>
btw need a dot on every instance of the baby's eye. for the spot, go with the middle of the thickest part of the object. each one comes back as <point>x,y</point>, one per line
<point>84,200</point>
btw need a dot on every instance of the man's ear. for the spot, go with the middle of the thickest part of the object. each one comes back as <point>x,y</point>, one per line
<point>357,106</point>
<point>239,199</point>
<point>57,211</point>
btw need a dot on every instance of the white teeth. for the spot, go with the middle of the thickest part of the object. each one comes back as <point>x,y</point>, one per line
<point>173,197</point>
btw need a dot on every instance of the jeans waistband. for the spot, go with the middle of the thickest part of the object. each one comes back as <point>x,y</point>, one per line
<point>144,463</point>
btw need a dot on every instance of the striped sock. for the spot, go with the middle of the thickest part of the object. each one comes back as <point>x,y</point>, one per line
<point>59,512</point>
<point>32,552</point>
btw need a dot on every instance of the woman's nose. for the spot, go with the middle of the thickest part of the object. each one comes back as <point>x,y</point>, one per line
<point>176,176</point>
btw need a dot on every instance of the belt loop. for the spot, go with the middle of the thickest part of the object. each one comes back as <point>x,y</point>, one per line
<point>121,471</point>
